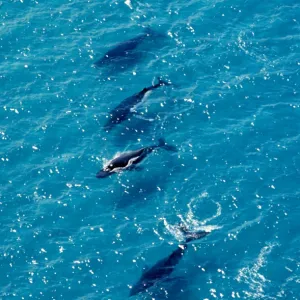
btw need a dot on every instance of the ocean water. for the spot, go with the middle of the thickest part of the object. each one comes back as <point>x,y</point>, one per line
<point>233,113</point>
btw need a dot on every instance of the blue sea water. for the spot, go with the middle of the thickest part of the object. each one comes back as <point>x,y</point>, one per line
<point>233,113</point>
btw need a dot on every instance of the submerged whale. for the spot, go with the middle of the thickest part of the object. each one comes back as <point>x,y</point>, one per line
<point>123,110</point>
<point>128,160</point>
<point>163,268</point>
<point>126,48</point>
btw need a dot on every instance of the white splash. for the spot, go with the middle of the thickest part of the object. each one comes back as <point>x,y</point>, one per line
<point>190,221</point>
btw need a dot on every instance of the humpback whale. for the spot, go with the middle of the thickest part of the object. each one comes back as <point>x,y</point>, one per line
<point>123,110</point>
<point>128,160</point>
<point>166,266</point>
<point>126,48</point>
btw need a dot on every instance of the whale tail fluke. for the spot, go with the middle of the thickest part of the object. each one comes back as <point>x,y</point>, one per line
<point>163,144</point>
<point>192,235</point>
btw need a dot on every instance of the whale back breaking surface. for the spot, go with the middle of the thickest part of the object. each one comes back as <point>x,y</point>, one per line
<point>121,50</point>
<point>124,159</point>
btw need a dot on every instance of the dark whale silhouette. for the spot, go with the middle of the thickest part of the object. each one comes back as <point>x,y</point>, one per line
<point>123,110</point>
<point>129,160</point>
<point>126,48</point>
<point>166,266</point>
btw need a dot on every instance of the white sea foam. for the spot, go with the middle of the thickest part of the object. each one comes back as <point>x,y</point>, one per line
<point>254,277</point>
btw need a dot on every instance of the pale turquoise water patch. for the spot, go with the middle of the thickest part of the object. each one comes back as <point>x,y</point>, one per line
<point>233,113</point>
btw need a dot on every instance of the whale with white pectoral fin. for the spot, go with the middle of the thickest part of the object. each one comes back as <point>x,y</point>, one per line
<point>121,112</point>
<point>129,160</point>
<point>163,268</point>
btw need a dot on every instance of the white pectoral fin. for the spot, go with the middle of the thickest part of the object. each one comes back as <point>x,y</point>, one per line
<point>143,118</point>
<point>131,161</point>
<point>136,107</point>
